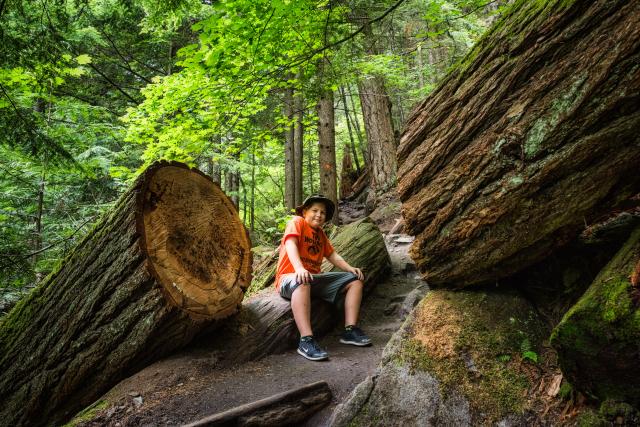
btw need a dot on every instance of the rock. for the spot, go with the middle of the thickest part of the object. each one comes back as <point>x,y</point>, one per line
<point>597,339</point>
<point>137,401</point>
<point>456,361</point>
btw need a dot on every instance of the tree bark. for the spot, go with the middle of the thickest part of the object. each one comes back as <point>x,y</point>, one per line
<point>352,142</point>
<point>289,152</point>
<point>298,143</point>
<point>265,324</point>
<point>378,123</point>
<point>532,135</point>
<point>327,149</point>
<point>170,259</point>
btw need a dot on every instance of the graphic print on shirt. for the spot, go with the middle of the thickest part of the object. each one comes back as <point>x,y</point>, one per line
<point>313,243</point>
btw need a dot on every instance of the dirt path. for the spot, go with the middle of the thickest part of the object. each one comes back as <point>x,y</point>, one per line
<point>193,384</point>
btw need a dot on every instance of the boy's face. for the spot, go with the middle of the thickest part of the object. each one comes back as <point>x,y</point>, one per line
<point>315,215</point>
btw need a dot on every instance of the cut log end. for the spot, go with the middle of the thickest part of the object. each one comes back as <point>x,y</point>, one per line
<point>197,247</point>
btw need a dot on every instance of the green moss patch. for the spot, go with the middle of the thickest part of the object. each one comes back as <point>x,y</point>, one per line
<point>475,343</point>
<point>597,339</point>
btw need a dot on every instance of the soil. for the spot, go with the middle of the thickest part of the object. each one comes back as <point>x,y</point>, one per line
<point>197,383</point>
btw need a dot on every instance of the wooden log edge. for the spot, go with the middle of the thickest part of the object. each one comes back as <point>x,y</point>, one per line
<point>291,406</point>
<point>141,189</point>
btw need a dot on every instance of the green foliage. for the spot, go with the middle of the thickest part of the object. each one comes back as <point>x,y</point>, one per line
<point>111,86</point>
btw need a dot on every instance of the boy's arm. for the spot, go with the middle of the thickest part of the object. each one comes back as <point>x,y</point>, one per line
<point>302,274</point>
<point>339,262</point>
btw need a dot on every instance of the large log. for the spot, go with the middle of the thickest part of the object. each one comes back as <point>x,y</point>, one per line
<point>535,133</point>
<point>170,259</point>
<point>265,324</point>
<point>598,338</point>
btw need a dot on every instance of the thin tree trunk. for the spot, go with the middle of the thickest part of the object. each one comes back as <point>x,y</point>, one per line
<point>289,152</point>
<point>327,149</point>
<point>420,66</point>
<point>37,236</point>
<point>356,122</point>
<point>298,144</point>
<point>378,123</point>
<point>352,145</point>
<point>253,190</point>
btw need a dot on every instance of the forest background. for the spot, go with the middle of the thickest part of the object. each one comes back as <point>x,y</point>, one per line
<point>262,95</point>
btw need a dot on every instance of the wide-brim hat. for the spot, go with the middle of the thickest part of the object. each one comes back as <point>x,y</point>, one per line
<point>331,207</point>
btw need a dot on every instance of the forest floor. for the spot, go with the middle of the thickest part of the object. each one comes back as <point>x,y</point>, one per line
<point>195,383</point>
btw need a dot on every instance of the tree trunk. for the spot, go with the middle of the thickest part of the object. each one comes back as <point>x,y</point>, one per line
<point>597,340</point>
<point>298,143</point>
<point>327,149</point>
<point>352,142</point>
<point>170,259</point>
<point>378,123</point>
<point>289,152</point>
<point>376,111</point>
<point>265,324</point>
<point>347,176</point>
<point>532,135</point>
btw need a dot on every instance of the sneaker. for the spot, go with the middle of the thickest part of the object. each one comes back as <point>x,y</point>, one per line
<point>311,350</point>
<point>355,336</point>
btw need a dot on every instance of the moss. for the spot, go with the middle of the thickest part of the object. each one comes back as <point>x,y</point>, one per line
<point>589,418</point>
<point>565,391</point>
<point>88,413</point>
<point>534,141</point>
<point>530,12</point>
<point>597,338</point>
<point>487,340</point>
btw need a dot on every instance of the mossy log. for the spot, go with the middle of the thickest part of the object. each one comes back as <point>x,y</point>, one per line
<point>532,135</point>
<point>170,259</point>
<point>598,340</point>
<point>265,324</point>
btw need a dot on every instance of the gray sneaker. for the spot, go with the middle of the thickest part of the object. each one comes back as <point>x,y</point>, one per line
<point>311,350</point>
<point>355,336</point>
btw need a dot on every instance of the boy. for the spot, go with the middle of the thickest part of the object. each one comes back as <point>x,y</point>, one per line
<point>298,276</point>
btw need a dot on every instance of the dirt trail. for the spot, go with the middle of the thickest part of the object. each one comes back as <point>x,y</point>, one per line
<point>193,384</point>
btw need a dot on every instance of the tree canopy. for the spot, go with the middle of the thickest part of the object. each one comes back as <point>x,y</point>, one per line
<point>93,91</point>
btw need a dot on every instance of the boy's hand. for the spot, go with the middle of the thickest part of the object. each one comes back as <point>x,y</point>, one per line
<point>357,272</point>
<point>303,276</point>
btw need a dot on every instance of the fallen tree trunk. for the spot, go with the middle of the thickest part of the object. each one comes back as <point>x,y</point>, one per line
<point>265,324</point>
<point>287,408</point>
<point>170,258</point>
<point>532,135</point>
<point>597,340</point>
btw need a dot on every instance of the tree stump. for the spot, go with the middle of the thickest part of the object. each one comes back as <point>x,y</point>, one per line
<point>169,259</point>
<point>533,135</point>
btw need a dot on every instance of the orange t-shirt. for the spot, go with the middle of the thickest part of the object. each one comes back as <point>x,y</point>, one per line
<point>313,246</point>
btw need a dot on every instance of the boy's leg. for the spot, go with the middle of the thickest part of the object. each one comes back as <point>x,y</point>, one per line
<point>301,308</point>
<point>352,300</point>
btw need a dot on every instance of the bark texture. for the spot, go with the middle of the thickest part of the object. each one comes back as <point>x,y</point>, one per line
<point>170,257</point>
<point>265,324</point>
<point>289,152</point>
<point>327,150</point>
<point>533,134</point>
<point>376,111</point>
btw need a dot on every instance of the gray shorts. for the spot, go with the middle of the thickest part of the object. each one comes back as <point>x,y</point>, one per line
<point>327,286</point>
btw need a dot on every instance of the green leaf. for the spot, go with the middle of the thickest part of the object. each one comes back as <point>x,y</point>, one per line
<point>83,59</point>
